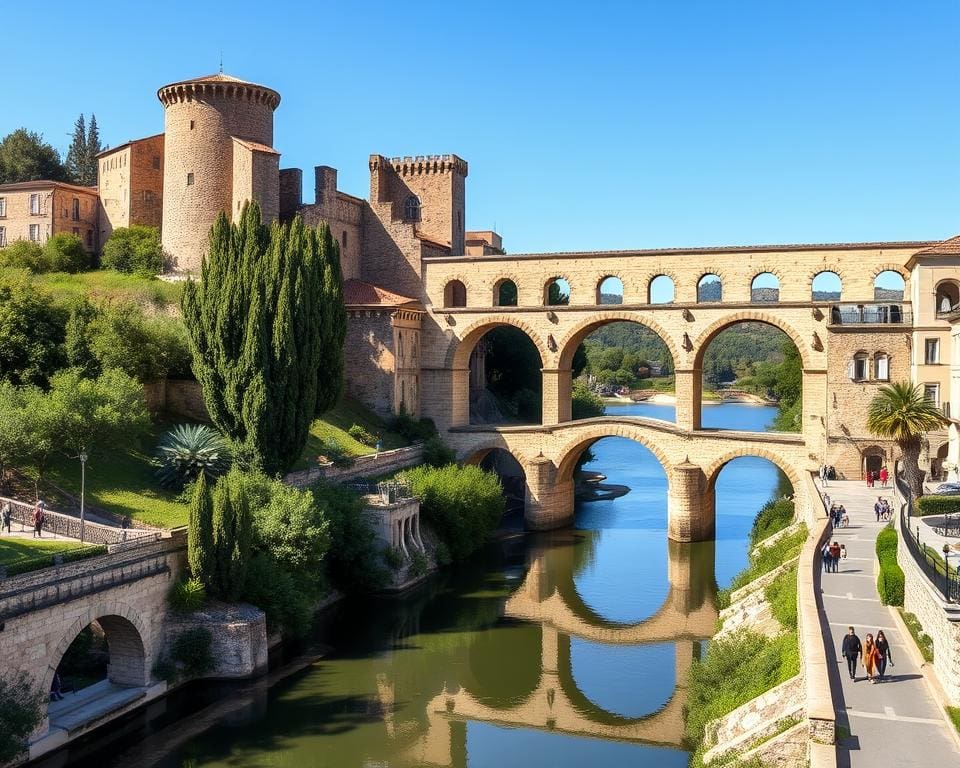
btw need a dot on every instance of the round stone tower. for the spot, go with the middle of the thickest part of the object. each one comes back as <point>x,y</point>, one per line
<point>214,129</point>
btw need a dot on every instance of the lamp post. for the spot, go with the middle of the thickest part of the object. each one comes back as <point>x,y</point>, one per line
<point>83,487</point>
<point>946,571</point>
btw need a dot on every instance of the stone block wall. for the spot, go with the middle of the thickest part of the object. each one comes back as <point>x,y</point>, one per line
<point>177,397</point>
<point>238,638</point>
<point>370,465</point>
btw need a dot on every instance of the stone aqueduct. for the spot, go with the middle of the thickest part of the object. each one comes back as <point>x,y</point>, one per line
<point>691,456</point>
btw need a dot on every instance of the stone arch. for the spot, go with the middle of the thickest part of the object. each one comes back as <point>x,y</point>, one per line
<point>571,450</point>
<point>947,293</point>
<point>648,285</point>
<point>710,273</point>
<point>545,293</point>
<point>716,467</point>
<point>764,270</point>
<point>479,452</point>
<point>126,638</point>
<point>599,282</point>
<point>898,268</point>
<point>454,293</point>
<point>458,357</point>
<point>498,285</point>
<point>812,278</point>
<point>750,316</point>
<point>568,346</point>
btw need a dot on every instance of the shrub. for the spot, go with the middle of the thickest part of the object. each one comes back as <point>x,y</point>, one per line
<point>187,595</point>
<point>189,449</point>
<point>937,505</point>
<point>443,553</point>
<point>21,710</point>
<point>31,331</point>
<point>393,558</point>
<point>191,649</point>
<point>165,669</point>
<point>419,565</point>
<point>25,254</point>
<point>585,403</point>
<point>412,429</point>
<point>353,562</point>
<point>774,516</point>
<point>437,453</point>
<point>781,594</point>
<point>736,669</point>
<point>922,639</point>
<point>133,249</point>
<point>890,581</point>
<point>766,559</point>
<point>64,252</point>
<point>361,435</point>
<point>47,561</point>
<point>462,504</point>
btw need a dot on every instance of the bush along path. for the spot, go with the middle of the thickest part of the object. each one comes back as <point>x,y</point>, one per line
<point>897,722</point>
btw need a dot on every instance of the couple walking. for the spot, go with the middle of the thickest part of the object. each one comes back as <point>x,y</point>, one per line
<point>875,654</point>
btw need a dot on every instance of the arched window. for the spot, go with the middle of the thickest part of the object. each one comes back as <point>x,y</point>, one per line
<point>343,241</point>
<point>765,289</point>
<point>888,286</point>
<point>948,296</point>
<point>710,288</point>
<point>505,293</point>
<point>827,286</point>
<point>556,292</point>
<point>610,290</point>
<point>455,294</point>
<point>881,366</point>
<point>411,208</point>
<point>661,290</point>
<point>858,367</point>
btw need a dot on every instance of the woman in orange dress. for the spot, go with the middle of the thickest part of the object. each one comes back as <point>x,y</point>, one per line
<point>871,657</point>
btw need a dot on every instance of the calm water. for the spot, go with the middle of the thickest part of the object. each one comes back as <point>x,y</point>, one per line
<point>557,650</point>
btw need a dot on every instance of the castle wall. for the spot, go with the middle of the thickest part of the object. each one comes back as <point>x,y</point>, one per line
<point>342,212</point>
<point>370,359</point>
<point>113,183</point>
<point>146,171</point>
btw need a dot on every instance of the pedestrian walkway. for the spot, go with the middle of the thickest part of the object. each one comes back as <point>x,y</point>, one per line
<point>896,723</point>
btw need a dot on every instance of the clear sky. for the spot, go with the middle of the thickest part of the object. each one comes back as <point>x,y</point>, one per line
<point>586,125</point>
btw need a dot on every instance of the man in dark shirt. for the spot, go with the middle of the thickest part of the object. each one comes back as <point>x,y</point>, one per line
<point>851,650</point>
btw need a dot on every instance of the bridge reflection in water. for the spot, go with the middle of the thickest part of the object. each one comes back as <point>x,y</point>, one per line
<point>548,598</point>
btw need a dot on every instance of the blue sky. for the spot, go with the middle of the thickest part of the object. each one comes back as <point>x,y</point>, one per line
<point>586,125</point>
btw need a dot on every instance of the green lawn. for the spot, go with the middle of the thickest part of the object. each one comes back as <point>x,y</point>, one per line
<point>107,284</point>
<point>334,425</point>
<point>15,550</point>
<point>123,482</point>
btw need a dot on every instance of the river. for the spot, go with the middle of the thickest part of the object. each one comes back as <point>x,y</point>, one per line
<point>562,649</point>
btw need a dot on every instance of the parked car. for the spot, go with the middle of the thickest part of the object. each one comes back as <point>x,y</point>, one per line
<point>947,489</point>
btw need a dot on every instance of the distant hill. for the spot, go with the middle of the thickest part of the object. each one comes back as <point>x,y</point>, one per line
<point>887,294</point>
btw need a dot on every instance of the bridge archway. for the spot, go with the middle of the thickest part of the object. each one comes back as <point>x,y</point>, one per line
<point>507,467</point>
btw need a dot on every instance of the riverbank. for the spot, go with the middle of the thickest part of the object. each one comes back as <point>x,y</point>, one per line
<point>709,398</point>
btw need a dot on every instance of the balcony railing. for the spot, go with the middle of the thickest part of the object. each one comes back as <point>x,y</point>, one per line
<point>870,314</point>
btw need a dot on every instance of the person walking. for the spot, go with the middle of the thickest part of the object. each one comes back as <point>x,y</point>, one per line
<point>834,555</point>
<point>851,651</point>
<point>38,520</point>
<point>878,508</point>
<point>826,557</point>
<point>884,476</point>
<point>869,479</point>
<point>883,648</point>
<point>824,475</point>
<point>6,517</point>
<point>871,658</point>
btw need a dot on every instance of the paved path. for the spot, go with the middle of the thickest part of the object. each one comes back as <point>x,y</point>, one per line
<point>896,723</point>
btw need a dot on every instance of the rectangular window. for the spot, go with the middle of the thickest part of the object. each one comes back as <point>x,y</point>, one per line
<point>156,162</point>
<point>76,209</point>
<point>931,351</point>
<point>189,179</point>
<point>3,207</point>
<point>34,204</point>
<point>3,236</point>
<point>883,368</point>
<point>857,369</point>
<point>932,393</point>
<point>191,125</point>
<point>35,233</point>
<point>89,238</point>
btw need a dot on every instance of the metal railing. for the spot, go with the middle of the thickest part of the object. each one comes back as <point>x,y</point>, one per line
<point>389,492</point>
<point>870,314</point>
<point>943,577</point>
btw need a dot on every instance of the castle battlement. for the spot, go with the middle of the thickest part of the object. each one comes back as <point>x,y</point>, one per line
<point>217,86</point>
<point>419,164</point>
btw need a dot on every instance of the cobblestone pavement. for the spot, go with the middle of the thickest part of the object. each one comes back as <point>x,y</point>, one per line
<point>897,722</point>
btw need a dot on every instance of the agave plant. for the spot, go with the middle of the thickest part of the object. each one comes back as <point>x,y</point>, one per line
<point>189,449</point>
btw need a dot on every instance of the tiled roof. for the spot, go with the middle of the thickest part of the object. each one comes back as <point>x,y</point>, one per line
<point>357,293</point>
<point>949,247</point>
<point>427,239</point>
<point>218,77</point>
<point>255,146</point>
<point>24,186</point>
<point>111,150</point>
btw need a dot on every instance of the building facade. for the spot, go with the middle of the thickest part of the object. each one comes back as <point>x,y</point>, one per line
<point>130,185</point>
<point>37,210</point>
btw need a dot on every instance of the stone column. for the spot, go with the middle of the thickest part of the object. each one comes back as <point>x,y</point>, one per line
<point>690,508</point>
<point>689,386</point>
<point>460,397</point>
<point>814,414</point>
<point>557,387</point>
<point>549,501</point>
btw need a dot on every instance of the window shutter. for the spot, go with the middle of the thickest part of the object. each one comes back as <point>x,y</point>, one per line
<point>883,368</point>
<point>852,370</point>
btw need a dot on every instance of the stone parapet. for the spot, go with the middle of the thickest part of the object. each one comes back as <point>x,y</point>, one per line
<point>69,525</point>
<point>371,465</point>
<point>238,637</point>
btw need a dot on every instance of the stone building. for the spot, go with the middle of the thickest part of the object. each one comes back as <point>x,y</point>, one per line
<point>130,185</point>
<point>37,210</point>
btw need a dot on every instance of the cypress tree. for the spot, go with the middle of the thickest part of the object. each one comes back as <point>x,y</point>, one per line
<point>266,322</point>
<point>200,533</point>
<point>76,155</point>
<point>242,534</point>
<point>94,147</point>
<point>223,536</point>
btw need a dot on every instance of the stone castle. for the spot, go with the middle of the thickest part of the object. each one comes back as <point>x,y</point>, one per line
<point>422,291</point>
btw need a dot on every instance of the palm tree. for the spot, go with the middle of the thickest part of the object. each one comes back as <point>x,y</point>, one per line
<point>900,412</point>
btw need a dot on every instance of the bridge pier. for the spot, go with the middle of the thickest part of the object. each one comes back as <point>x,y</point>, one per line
<point>557,391</point>
<point>549,499</point>
<point>691,514</point>
<point>689,391</point>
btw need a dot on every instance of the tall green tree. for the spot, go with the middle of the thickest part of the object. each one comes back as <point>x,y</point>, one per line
<point>31,332</point>
<point>94,148</point>
<point>232,526</point>
<point>25,156</point>
<point>81,162</point>
<point>900,412</point>
<point>261,320</point>
<point>200,550</point>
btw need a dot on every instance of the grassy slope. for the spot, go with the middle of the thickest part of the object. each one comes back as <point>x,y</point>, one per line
<point>334,425</point>
<point>15,550</point>
<point>107,284</point>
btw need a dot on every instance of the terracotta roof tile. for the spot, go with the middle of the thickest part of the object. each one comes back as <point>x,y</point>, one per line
<point>18,186</point>
<point>357,293</point>
<point>255,146</point>
<point>950,247</point>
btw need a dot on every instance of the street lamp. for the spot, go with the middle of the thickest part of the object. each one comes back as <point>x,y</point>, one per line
<point>83,484</point>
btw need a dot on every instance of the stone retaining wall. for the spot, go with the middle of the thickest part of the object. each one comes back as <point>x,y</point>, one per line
<point>371,465</point>
<point>68,525</point>
<point>238,637</point>
<point>176,397</point>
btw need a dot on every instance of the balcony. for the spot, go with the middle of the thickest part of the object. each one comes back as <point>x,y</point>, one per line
<point>870,314</point>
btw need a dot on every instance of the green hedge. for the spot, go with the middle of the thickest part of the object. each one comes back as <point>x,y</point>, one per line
<point>782,596</point>
<point>937,505</point>
<point>46,561</point>
<point>890,582</point>
<point>773,517</point>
